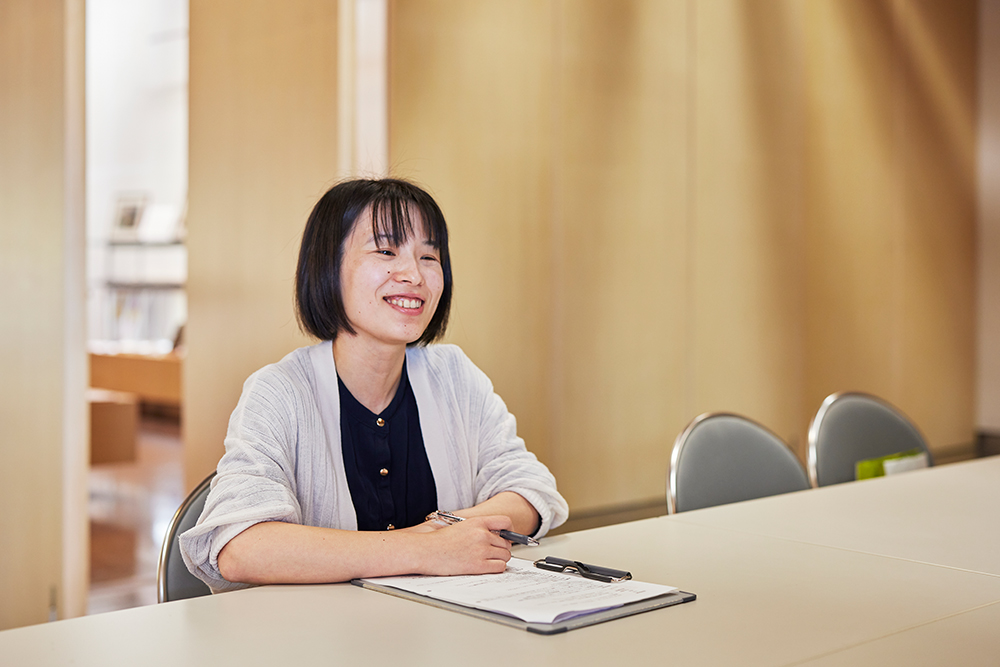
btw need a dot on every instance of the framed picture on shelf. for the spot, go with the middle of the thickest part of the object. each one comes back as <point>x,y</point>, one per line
<point>160,224</point>
<point>128,216</point>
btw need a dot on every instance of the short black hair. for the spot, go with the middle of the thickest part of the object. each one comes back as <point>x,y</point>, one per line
<point>319,304</point>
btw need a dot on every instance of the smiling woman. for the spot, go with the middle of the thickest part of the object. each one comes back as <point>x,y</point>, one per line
<point>336,454</point>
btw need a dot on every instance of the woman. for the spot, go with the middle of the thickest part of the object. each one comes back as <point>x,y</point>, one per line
<point>337,453</point>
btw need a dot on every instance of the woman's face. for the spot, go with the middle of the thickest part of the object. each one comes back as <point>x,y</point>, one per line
<point>390,293</point>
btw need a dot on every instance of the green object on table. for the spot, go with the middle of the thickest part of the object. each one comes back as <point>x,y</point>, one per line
<point>876,467</point>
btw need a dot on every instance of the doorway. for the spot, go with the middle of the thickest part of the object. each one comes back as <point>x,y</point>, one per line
<point>136,176</point>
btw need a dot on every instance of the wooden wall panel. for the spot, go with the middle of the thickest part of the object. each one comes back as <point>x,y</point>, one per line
<point>263,149</point>
<point>619,247</point>
<point>43,445</point>
<point>470,120</point>
<point>988,228</point>
<point>937,144</point>
<point>547,153</point>
<point>890,215</point>
<point>746,348</point>
<point>853,246</point>
<point>751,206</point>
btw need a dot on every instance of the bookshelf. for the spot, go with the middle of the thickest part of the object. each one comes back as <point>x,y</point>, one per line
<point>141,301</point>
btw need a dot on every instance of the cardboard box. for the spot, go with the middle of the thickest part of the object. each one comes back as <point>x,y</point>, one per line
<point>114,424</point>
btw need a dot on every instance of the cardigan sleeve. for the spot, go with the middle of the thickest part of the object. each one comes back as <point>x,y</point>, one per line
<point>503,461</point>
<point>256,475</point>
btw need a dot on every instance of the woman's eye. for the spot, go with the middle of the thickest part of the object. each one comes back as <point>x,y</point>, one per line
<point>386,252</point>
<point>431,258</point>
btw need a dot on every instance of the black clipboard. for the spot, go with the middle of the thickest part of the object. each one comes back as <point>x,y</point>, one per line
<point>583,620</point>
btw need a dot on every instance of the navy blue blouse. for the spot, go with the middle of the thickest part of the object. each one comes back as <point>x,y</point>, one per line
<point>385,462</point>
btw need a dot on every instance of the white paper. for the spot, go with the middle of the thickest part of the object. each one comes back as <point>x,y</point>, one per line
<point>894,466</point>
<point>528,593</point>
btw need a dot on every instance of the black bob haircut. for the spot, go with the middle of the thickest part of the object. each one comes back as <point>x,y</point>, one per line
<point>319,304</point>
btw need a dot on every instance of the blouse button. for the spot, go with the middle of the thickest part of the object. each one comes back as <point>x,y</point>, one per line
<point>380,421</point>
<point>390,527</point>
<point>383,472</point>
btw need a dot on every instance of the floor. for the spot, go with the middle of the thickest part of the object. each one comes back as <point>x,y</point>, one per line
<point>131,505</point>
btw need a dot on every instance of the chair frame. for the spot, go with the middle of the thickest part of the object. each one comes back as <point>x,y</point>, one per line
<point>817,422</point>
<point>171,535</point>
<point>681,440</point>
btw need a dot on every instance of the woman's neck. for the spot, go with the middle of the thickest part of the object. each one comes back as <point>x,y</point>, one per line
<point>370,372</point>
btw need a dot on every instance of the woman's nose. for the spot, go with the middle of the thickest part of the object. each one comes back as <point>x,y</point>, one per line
<point>408,270</point>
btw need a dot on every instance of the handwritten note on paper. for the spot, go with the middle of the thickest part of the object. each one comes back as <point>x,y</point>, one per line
<point>528,593</point>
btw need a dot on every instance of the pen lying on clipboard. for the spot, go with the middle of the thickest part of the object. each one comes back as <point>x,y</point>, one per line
<point>596,572</point>
<point>509,535</point>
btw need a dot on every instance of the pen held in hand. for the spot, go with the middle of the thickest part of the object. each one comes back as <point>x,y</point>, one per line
<point>517,538</point>
<point>509,535</point>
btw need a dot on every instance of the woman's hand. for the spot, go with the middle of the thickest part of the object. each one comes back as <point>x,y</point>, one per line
<point>468,547</point>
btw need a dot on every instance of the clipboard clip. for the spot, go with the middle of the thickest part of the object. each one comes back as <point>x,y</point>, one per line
<point>595,572</point>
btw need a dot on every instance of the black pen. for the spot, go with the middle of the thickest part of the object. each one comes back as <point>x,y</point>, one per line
<point>517,538</point>
<point>509,535</point>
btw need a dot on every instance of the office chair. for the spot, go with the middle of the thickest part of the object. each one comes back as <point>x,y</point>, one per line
<point>851,427</point>
<point>173,580</point>
<point>725,458</point>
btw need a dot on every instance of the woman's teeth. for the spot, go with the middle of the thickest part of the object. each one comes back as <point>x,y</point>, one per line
<point>405,303</point>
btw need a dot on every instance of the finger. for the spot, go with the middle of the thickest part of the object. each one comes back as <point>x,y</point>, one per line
<point>487,540</point>
<point>493,545</point>
<point>501,542</point>
<point>504,555</point>
<point>486,567</point>
<point>495,566</point>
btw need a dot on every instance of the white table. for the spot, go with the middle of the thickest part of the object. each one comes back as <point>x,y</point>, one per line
<point>948,515</point>
<point>784,580</point>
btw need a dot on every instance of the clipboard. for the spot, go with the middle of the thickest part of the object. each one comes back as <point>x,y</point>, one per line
<point>558,627</point>
<point>581,619</point>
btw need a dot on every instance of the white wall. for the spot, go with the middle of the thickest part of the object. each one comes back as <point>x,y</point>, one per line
<point>988,353</point>
<point>137,80</point>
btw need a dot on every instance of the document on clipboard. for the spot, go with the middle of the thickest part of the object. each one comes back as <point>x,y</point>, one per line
<point>531,598</point>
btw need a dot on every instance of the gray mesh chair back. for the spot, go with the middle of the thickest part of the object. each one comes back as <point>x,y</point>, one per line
<point>725,458</point>
<point>851,427</point>
<point>173,580</point>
